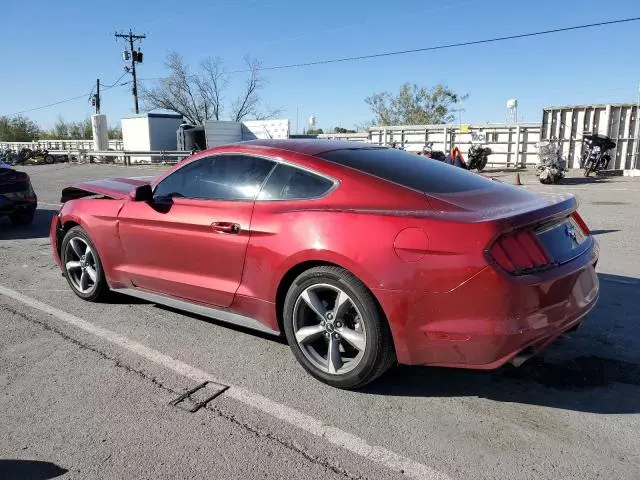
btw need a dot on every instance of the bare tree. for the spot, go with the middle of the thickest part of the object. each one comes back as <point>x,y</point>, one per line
<point>200,97</point>
<point>247,104</point>
<point>177,92</point>
<point>211,84</point>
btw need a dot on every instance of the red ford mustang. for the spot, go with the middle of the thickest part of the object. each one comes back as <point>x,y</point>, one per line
<point>363,256</point>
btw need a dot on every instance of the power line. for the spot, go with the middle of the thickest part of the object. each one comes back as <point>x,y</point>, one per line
<point>46,106</point>
<point>115,84</point>
<point>61,101</point>
<point>450,45</point>
<point>427,49</point>
<point>364,57</point>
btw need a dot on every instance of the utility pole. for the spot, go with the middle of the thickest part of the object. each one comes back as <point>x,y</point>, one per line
<point>97,96</point>
<point>135,57</point>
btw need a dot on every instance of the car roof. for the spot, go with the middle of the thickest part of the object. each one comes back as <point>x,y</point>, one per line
<point>308,146</point>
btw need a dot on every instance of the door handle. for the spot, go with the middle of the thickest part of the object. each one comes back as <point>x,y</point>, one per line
<point>226,227</point>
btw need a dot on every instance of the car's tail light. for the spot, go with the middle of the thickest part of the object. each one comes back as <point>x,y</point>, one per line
<point>519,252</point>
<point>581,223</point>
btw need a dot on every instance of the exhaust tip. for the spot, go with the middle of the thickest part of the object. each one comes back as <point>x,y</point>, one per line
<point>523,356</point>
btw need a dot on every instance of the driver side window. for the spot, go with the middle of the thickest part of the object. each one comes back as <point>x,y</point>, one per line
<point>219,177</point>
<point>182,183</point>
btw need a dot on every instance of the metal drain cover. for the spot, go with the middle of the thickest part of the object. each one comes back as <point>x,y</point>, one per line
<point>199,396</point>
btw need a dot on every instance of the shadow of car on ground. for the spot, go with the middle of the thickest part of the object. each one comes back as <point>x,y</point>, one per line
<point>29,469</point>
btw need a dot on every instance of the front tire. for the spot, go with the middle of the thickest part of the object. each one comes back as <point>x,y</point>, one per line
<point>588,168</point>
<point>336,329</point>
<point>82,266</point>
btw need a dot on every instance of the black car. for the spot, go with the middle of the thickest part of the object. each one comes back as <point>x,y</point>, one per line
<point>18,201</point>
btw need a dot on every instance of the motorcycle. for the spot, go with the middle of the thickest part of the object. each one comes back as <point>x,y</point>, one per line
<point>12,158</point>
<point>596,154</point>
<point>478,156</point>
<point>429,152</point>
<point>551,167</point>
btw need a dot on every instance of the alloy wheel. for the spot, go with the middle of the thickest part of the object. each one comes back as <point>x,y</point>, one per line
<point>328,328</point>
<point>81,265</point>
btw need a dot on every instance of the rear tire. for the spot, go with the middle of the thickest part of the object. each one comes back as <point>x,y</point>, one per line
<point>49,159</point>
<point>483,163</point>
<point>82,266</point>
<point>345,321</point>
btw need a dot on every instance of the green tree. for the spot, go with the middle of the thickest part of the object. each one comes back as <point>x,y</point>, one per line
<point>60,129</point>
<point>18,129</point>
<point>342,130</point>
<point>115,132</point>
<point>76,130</point>
<point>415,105</point>
<point>314,131</point>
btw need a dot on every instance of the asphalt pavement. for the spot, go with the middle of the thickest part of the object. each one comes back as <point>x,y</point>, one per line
<point>93,390</point>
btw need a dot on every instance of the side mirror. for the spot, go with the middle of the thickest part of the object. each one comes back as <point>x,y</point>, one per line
<point>143,193</point>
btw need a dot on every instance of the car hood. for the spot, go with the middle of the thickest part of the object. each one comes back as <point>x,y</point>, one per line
<point>116,188</point>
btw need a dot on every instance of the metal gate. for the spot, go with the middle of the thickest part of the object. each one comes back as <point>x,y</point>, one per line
<point>569,124</point>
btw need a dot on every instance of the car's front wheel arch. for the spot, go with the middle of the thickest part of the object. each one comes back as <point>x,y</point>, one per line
<point>64,228</point>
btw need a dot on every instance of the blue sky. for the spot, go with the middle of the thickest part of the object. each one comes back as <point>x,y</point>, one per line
<point>65,45</point>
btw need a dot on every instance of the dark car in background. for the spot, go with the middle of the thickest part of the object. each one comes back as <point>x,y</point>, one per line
<point>18,201</point>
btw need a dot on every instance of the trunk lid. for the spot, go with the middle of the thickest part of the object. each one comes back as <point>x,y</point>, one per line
<point>501,201</point>
<point>539,231</point>
<point>116,188</point>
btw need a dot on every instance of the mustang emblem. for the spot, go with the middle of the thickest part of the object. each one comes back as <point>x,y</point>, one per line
<point>570,231</point>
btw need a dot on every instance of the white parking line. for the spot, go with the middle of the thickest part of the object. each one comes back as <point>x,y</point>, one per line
<point>333,435</point>
<point>49,204</point>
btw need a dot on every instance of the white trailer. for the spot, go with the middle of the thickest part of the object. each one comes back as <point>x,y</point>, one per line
<point>150,131</point>
<point>219,132</point>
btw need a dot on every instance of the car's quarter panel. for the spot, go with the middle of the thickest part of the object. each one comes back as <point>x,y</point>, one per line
<point>176,250</point>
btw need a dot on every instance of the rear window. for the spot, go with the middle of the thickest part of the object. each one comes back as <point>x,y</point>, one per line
<point>408,169</point>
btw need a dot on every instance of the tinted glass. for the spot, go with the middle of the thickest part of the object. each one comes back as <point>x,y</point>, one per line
<point>290,183</point>
<point>408,169</point>
<point>222,177</point>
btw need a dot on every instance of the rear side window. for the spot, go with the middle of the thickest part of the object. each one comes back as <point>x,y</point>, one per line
<point>408,169</point>
<point>290,183</point>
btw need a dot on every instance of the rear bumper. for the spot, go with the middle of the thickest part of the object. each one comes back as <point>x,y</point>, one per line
<point>486,322</point>
<point>10,207</point>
